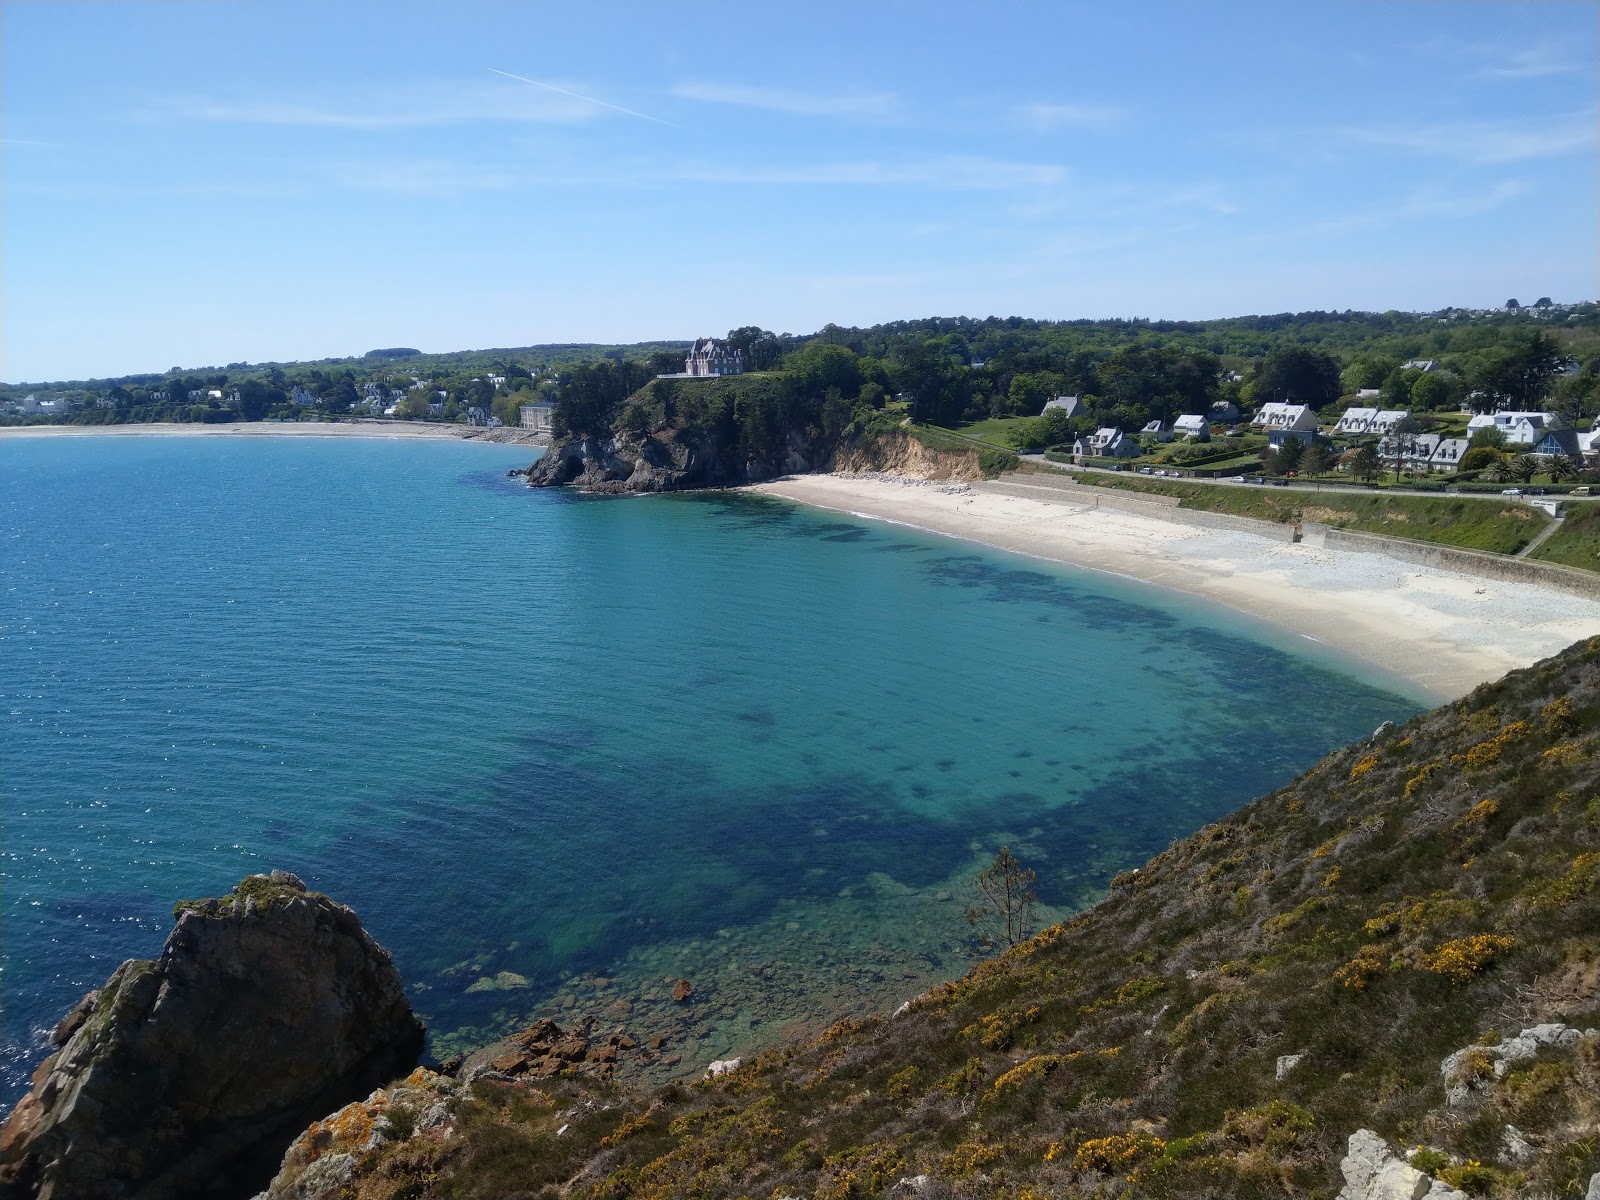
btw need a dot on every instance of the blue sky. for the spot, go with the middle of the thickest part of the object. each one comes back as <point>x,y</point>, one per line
<point>197,183</point>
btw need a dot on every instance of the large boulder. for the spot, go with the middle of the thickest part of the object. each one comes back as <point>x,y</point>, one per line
<point>189,1074</point>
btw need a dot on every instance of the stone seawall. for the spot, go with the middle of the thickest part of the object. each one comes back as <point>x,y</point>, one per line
<point>1427,554</point>
<point>1471,562</point>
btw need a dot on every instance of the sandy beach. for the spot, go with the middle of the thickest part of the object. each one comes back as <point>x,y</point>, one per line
<point>411,430</point>
<point>1439,631</point>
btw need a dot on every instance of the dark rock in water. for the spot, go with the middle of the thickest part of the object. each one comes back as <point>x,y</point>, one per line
<point>188,1075</point>
<point>682,990</point>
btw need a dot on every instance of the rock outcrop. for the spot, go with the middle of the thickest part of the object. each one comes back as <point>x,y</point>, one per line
<point>187,1075</point>
<point>1467,1070</point>
<point>1372,1171</point>
<point>667,461</point>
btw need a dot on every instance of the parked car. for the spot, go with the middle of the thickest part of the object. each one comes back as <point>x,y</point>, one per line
<point>1511,492</point>
<point>1237,479</point>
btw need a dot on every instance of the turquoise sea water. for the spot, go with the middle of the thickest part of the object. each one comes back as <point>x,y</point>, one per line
<point>559,750</point>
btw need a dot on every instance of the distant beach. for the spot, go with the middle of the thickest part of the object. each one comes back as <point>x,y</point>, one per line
<point>376,429</point>
<point>1441,631</point>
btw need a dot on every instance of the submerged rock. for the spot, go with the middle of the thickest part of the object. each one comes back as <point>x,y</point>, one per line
<point>188,1074</point>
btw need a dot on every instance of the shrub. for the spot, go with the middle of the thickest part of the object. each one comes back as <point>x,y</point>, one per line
<point>1463,958</point>
<point>1118,1153</point>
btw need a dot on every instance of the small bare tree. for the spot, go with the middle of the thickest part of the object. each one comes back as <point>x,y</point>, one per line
<point>1006,899</point>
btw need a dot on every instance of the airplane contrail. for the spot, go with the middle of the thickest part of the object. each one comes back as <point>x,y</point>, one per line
<point>550,87</point>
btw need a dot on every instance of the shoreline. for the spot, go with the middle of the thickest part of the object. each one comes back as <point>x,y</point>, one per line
<point>1439,631</point>
<point>398,430</point>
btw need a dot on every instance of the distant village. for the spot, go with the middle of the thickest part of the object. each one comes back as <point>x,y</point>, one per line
<point>1423,416</point>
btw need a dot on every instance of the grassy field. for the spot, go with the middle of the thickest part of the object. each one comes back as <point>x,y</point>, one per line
<point>1471,522</point>
<point>996,430</point>
<point>1577,542</point>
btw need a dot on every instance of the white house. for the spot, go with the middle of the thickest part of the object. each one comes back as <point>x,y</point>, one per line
<point>1107,443</point>
<point>1192,425</point>
<point>1519,428</point>
<point>1384,421</point>
<point>1070,405</point>
<point>1297,417</point>
<point>1156,430</point>
<point>1416,450</point>
<point>1448,453</point>
<point>1356,420</point>
<point>300,397</point>
<point>1223,412</point>
<point>538,417</point>
<point>1368,393</point>
<point>1589,446</point>
<point>1420,364</point>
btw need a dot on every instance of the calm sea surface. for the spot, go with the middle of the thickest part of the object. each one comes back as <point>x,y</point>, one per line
<point>558,751</point>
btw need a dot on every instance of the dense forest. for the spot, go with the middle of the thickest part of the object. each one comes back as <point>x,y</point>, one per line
<point>944,371</point>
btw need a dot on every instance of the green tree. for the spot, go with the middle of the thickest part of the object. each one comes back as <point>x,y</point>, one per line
<point>1029,391</point>
<point>414,407</point>
<point>1003,913</point>
<point>1429,392</point>
<point>1362,462</point>
<point>1561,468</point>
<point>1523,468</point>
<point>1316,460</point>
<point>1478,457</point>
<point>1516,373</point>
<point>1298,375</point>
<point>1285,458</point>
<point>1397,387</point>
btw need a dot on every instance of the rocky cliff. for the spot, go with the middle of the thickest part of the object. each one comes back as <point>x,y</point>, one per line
<point>187,1075</point>
<point>669,461</point>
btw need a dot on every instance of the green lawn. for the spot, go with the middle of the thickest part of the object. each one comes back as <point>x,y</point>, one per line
<point>1577,542</point>
<point>1475,523</point>
<point>996,430</point>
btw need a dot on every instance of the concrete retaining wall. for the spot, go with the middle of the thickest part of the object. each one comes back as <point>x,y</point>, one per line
<point>1427,554</point>
<point>1471,562</point>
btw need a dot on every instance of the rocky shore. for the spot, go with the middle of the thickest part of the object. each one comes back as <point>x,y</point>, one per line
<point>187,1075</point>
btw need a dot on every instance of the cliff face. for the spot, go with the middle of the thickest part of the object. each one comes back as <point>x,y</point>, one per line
<point>188,1074</point>
<point>668,461</point>
<point>1399,950</point>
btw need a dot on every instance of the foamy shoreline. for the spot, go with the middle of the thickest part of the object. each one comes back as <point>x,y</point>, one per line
<point>1440,631</point>
<point>409,430</point>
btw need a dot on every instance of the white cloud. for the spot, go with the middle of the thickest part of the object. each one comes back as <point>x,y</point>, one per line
<point>436,104</point>
<point>1536,62</point>
<point>1488,142</point>
<point>1049,117</point>
<point>799,103</point>
<point>954,172</point>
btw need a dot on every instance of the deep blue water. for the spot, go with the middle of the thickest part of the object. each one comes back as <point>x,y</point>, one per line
<point>561,736</point>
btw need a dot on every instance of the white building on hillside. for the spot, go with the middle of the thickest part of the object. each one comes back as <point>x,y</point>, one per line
<point>1070,405</point>
<point>710,357</point>
<point>1519,428</point>
<point>1296,417</point>
<point>538,417</point>
<point>1447,455</point>
<point>1355,420</point>
<point>1192,425</point>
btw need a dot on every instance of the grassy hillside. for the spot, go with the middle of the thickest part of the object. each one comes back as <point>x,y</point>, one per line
<point>1476,523</point>
<point>1577,542</point>
<point>1432,890</point>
